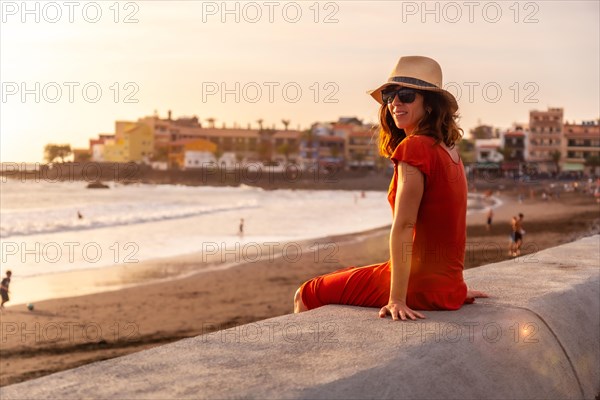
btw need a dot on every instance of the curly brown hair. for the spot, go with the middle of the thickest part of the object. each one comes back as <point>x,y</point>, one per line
<point>440,123</point>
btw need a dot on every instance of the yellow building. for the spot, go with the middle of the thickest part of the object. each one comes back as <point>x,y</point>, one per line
<point>134,141</point>
<point>114,150</point>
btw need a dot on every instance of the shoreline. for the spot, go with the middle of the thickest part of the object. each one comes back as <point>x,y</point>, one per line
<point>123,276</point>
<point>68,332</point>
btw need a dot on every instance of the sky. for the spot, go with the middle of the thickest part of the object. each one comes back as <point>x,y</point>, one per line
<point>69,70</point>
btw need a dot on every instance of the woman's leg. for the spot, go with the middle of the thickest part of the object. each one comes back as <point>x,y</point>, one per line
<point>298,304</point>
<point>360,286</point>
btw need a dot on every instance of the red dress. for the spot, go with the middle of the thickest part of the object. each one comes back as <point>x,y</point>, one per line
<point>439,237</point>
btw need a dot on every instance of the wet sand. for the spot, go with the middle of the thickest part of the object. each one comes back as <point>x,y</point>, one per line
<point>64,333</point>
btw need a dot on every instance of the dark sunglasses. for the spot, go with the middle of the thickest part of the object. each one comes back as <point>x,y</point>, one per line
<point>405,95</point>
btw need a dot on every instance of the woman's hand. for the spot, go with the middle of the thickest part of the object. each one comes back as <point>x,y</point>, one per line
<point>399,310</point>
<point>472,294</point>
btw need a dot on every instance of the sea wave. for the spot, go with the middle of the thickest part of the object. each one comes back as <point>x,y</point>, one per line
<point>37,221</point>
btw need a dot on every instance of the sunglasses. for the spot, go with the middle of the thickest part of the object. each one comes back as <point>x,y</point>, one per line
<point>405,95</point>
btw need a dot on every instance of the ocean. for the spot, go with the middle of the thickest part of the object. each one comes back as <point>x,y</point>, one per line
<point>41,233</point>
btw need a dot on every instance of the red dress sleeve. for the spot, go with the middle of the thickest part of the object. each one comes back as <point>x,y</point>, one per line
<point>414,151</point>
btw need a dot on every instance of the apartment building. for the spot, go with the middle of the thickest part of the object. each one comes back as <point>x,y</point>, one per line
<point>545,138</point>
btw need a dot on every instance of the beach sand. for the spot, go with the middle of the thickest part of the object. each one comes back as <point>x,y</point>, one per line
<point>65,333</point>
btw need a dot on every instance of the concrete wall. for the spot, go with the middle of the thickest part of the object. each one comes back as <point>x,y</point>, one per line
<point>537,338</point>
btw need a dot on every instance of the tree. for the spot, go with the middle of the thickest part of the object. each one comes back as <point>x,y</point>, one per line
<point>286,149</point>
<point>286,123</point>
<point>555,155</point>
<point>54,151</point>
<point>466,148</point>
<point>260,124</point>
<point>358,156</point>
<point>593,162</point>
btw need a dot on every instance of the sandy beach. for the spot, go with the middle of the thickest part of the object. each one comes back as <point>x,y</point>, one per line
<point>64,333</point>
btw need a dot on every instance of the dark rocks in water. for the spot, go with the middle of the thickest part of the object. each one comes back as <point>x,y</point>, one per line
<point>97,185</point>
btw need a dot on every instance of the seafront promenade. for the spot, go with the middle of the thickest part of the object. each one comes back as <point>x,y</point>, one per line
<point>535,337</point>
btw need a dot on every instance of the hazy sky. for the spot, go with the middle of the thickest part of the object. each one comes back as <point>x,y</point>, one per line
<point>304,61</point>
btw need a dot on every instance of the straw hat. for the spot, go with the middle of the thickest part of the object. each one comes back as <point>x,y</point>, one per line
<point>417,72</point>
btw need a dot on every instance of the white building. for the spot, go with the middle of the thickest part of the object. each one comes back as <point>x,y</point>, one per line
<point>198,159</point>
<point>488,150</point>
<point>228,160</point>
<point>97,152</point>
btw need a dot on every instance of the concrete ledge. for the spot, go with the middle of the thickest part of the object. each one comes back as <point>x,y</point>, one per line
<point>537,338</point>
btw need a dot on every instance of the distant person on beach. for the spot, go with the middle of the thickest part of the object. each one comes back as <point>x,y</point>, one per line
<point>511,242</point>
<point>517,233</point>
<point>490,216</point>
<point>4,288</point>
<point>241,228</point>
<point>428,196</point>
<point>79,216</point>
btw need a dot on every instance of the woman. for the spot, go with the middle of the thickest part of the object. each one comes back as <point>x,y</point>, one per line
<point>428,197</point>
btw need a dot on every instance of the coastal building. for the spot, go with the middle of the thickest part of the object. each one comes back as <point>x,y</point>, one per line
<point>581,150</point>
<point>545,138</point>
<point>484,132</point>
<point>247,144</point>
<point>360,149</point>
<point>488,151</point>
<point>114,150</point>
<point>97,146</point>
<point>190,153</point>
<point>198,159</point>
<point>286,144</point>
<point>513,148</point>
<point>331,151</point>
<point>132,141</point>
<point>323,146</point>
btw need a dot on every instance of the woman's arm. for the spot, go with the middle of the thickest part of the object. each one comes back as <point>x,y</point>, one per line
<point>408,199</point>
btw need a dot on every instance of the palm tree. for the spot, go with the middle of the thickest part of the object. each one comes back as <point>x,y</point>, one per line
<point>286,123</point>
<point>260,124</point>
<point>286,149</point>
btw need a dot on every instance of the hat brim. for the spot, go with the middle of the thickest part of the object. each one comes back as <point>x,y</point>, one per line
<point>376,93</point>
